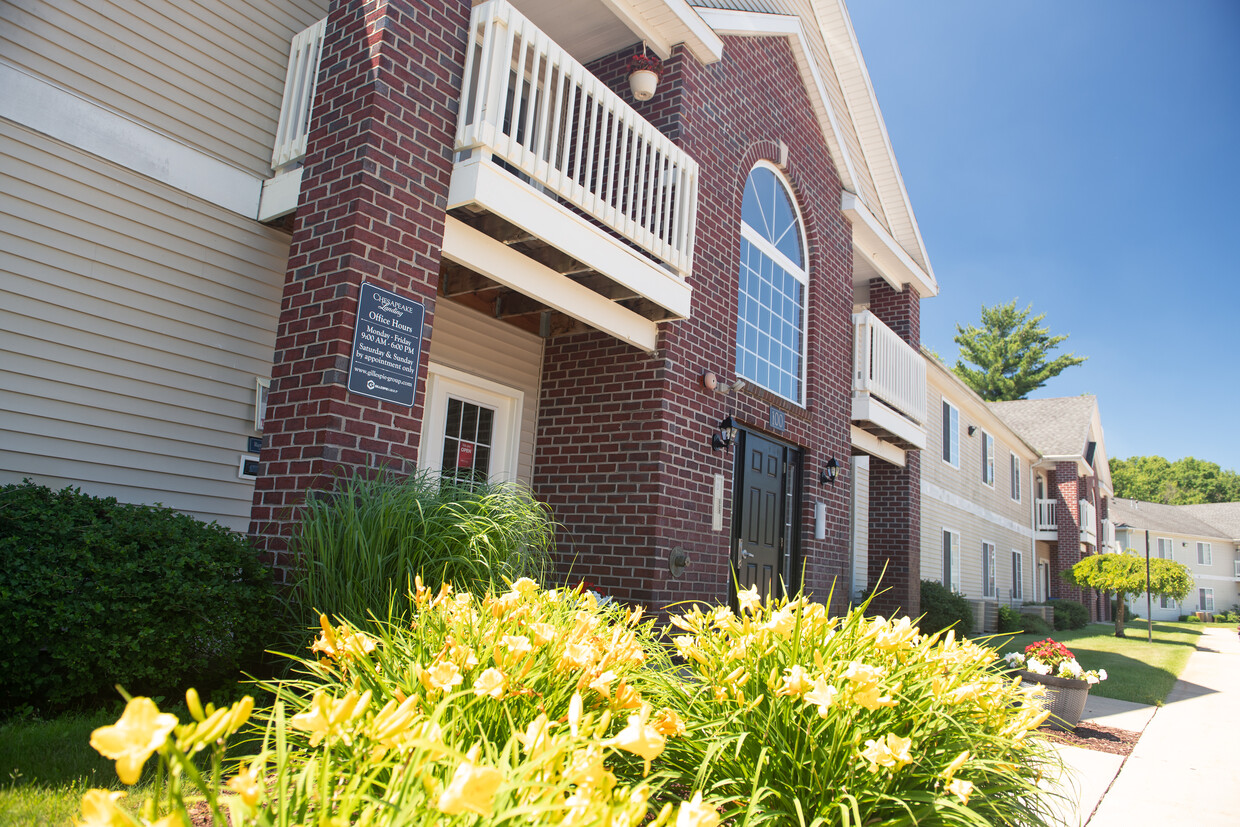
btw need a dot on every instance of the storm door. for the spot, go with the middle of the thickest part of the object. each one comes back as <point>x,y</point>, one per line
<point>765,542</point>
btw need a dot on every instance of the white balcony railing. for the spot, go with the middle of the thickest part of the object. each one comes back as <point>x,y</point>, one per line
<point>573,137</point>
<point>299,83</point>
<point>887,367</point>
<point>1045,515</point>
<point>1107,540</point>
<point>1089,522</point>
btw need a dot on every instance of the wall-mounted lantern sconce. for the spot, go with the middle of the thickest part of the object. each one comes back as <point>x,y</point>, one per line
<point>723,437</point>
<point>972,430</point>
<point>829,474</point>
<point>711,382</point>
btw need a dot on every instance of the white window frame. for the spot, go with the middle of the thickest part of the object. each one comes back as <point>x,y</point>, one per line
<point>1205,600</point>
<point>988,459</point>
<point>1206,559</point>
<point>1170,555</point>
<point>801,274</point>
<point>507,402</point>
<point>988,570</point>
<point>1015,467</point>
<point>262,386</point>
<point>951,560</point>
<point>1165,602</point>
<point>1018,575</point>
<point>951,434</point>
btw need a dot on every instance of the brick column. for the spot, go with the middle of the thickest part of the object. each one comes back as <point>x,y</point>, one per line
<point>1067,551</point>
<point>372,208</point>
<point>895,493</point>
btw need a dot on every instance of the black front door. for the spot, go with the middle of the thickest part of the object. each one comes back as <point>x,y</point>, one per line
<point>764,544</point>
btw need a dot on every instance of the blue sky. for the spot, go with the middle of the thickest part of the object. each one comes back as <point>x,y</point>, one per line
<point>1082,157</point>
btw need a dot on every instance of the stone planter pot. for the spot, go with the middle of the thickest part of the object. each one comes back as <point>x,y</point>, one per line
<point>1065,698</point>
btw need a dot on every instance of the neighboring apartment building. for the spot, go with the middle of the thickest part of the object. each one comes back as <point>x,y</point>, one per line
<point>562,285</point>
<point>1071,490</point>
<point>1206,538</point>
<point>977,501</point>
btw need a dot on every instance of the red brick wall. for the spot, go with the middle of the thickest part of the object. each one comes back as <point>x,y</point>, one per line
<point>623,452</point>
<point>1067,551</point>
<point>376,178</point>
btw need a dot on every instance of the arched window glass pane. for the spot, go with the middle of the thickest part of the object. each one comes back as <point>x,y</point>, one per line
<point>771,301</point>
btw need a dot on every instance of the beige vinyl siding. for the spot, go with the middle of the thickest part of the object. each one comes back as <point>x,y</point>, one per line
<point>208,73</point>
<point>470,342</point>
<point>135,320</point>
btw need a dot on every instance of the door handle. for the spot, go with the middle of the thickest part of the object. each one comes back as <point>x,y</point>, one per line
<point>745,553</point>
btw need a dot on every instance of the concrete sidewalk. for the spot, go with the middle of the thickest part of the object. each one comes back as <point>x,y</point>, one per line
<point>1181,769</point>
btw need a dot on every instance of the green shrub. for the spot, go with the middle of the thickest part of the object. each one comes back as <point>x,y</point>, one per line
<point>541,707</point>
<point>942,609</point>
<point>1192,619</point>
<point>1069,614</point>
<point>364,542</point>
<point>94,592</point>
<point>1034,625</point>
<point>1009,620</point>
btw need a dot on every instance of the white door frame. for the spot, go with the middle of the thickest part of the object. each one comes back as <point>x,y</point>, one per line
<point>507,403</point>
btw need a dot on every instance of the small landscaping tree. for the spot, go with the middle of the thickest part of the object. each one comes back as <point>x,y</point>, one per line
<point>1124,575</point>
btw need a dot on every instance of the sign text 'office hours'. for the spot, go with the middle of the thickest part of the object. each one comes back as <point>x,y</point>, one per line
<point>387,346</point>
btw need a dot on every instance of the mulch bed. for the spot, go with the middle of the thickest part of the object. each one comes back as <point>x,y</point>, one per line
<point>1096,737</point>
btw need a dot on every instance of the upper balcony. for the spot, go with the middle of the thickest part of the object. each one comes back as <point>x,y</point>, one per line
<point>1045,526</point>
<point>889,384</point>
<point>566,207</point>
<point>1089,522</point>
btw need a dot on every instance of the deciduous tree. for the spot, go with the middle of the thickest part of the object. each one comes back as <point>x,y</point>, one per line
<point>1184,482</point>
<point>1124,575</point>
<point>1011,351</point>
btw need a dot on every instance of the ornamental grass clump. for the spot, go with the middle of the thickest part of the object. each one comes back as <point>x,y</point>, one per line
<point>361,544</point>
<point>795,717</point>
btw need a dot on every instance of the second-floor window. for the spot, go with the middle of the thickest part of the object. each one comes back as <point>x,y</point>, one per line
<point>770,323</point>
<point>1164,548</point>
<point>1015,477</point>
<point>988,458</point>
<point>951,434</point>
<point>1205,555</point>
<point>988,569</point>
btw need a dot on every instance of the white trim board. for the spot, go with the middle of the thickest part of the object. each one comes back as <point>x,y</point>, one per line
<point>935,492</point>
<point>82,124</point>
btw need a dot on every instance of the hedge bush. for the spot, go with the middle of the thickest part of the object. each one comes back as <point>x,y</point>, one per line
<point>94,592</point>
<point>1069,614</point>
<point>1012,621</point>
<point>943,609</point>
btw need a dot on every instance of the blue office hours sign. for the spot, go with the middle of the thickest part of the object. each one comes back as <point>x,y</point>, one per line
<point>387,346</point>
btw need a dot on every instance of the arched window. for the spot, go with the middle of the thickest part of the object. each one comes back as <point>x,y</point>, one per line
<point>770,324</point>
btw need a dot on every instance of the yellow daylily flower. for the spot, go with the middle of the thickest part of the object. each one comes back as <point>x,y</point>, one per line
<point>669,723</point>
<point>796,682</point>
<point>141,730</point>
<point>640,738</point>
<point>247,785</point>
<point>544,633</point>
<point>822,695</point>
<point>961,788</point>
<point>99,809</point>
<point>955,765</point>
<point>442,676</point>
<point>782,622</point>
<point>326,716</point>
<point>472,788</point>
<point>535,734</point>
<point>749,600</point>
<point>896,635</point>
<point>695,813</point>
<point>524,586</point>
<point>586,768</point>
<point>602,683</point>
<point>393,723</point>
<point>490,683</point>
<point>891,752</point>
<point>871,697</point>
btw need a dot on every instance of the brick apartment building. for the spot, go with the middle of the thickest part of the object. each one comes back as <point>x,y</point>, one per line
<point>500,264</point>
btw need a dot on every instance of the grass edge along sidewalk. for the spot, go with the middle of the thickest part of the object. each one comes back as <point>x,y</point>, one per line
<point>1137,670</point>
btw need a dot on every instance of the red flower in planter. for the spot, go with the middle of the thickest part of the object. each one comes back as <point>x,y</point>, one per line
<point>646,63</point>
<point>1049,651</point>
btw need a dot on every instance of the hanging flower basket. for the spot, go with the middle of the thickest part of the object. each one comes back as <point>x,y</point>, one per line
<point>644,73</point>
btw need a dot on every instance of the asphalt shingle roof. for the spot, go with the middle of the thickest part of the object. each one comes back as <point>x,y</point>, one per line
<point>1223,516</point>
<point>1173,519</point>
<point>1056,427</point>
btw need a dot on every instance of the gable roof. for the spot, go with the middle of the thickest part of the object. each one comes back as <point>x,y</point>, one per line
<point>834,74</point>
<point>1058,428</point>
<point>1170,519</point>
<point>1223,516</point>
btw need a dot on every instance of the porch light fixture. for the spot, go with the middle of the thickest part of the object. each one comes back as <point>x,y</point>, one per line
<point>723,437</point>
<point>972,430</point>
<point>829,474</point>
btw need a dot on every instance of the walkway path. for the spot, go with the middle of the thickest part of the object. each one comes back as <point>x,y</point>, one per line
<point>1184,769</point>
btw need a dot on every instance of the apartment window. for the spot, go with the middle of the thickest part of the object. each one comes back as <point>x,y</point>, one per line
<point>951,434</point>
<point>1018,575</point>
<point>988,459</point>
<point>951,560</point>
<point>770,324</point>
<point>1015,477</point>
<point>1205,554</point>
<point>988,569</point>
<point>1205,600</point>
<point>1165,602</point>
<point>1164,548</point>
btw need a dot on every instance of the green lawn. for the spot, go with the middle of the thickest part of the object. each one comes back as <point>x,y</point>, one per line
<point>1137,670</point>
<point>45,766</point>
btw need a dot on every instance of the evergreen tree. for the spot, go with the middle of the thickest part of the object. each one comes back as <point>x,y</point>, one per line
<point>1011,352</point>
